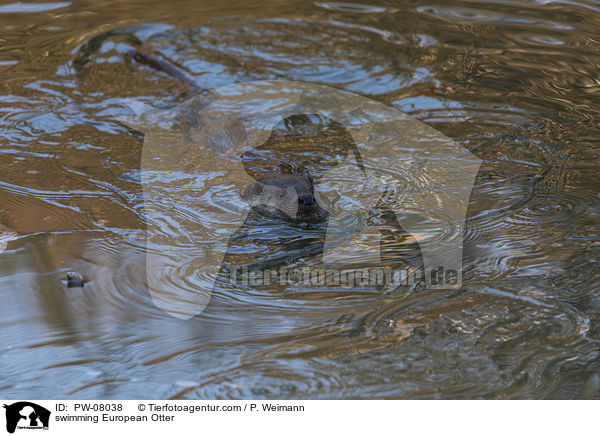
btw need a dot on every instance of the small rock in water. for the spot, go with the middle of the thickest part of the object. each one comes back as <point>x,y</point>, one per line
<point>6,235</point>
<point>75,280</point>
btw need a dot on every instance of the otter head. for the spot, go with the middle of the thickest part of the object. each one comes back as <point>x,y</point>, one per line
<point>288,196</point>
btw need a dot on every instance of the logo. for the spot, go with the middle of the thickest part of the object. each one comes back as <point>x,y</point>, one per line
<point>26,415</point>
<point>424,178</point>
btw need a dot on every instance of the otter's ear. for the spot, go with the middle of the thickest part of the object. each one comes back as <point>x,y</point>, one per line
<point>254,188</point>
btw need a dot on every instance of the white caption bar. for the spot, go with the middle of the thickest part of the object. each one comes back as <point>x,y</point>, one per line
<point>23,417</point>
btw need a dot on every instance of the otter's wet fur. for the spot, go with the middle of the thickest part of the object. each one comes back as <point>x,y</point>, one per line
<point>288,196</point>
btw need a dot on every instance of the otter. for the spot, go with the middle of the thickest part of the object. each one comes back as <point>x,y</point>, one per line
<point>283,169</point>
<point>288,196</point>
<point>289,222</point>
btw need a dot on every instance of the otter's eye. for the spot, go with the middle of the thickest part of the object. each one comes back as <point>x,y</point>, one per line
<point>280,194</point>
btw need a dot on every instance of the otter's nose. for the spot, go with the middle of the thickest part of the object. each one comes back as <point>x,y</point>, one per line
<point>306,200</point>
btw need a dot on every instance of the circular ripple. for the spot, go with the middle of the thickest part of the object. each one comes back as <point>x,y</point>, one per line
<point>550,208</point>
<point>271,379</point>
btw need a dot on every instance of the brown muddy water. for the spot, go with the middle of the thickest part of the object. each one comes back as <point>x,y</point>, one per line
<point>516,83</point>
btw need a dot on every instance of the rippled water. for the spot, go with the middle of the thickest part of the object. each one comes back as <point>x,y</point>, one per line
<point>516,83</point>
